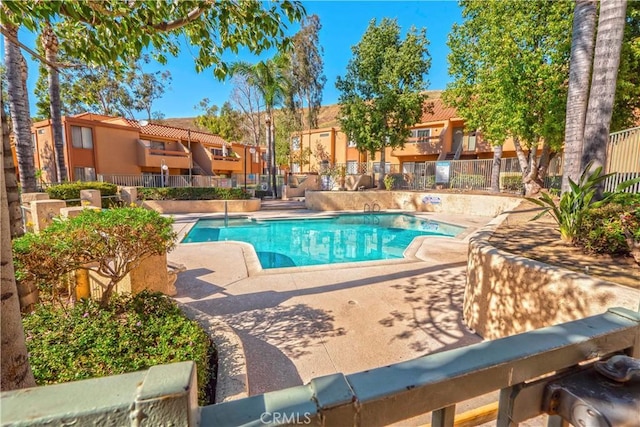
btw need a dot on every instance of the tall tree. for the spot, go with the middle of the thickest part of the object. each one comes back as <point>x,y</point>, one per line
<point>582,43</point>
<point>611,23</point>
<point>50,45</point>
<point>247,100</point>
<point>19,106</point>
<point>382,93</point>
<point>307,69</point>
<point>268,77</point>
<point>510,61</point>
<point>15,371</point>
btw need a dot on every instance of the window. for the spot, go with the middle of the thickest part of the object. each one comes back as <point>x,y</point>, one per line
<point>352,167</point>
<point>408,167</point>
<point>216,151</point>
<point>377,169</point>
<point>34,141</point>
<point>324,135</point>
<point>352,143</point>
<point>421,134</point>
<point>156,145</point>
<point>84,174</point>
<point>81,137</point>
<point>471,146</point>
<point>295,143</point>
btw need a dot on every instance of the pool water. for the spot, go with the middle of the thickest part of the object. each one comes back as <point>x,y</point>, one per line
<point>294,242</point>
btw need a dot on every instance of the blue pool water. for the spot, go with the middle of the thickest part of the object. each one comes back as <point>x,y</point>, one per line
<point>294,242</point>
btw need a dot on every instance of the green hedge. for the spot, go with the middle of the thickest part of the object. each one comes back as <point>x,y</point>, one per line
<point>192,193</point>
<point>133,333</point>
<point>71,191</point>
<point>466,181</point>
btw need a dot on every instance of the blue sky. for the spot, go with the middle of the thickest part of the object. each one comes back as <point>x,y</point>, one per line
<point>343,24</point>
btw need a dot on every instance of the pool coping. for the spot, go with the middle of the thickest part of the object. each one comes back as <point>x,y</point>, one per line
<point>254,267</point>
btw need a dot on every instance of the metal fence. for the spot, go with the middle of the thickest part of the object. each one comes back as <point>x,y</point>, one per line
<point>623,159</point>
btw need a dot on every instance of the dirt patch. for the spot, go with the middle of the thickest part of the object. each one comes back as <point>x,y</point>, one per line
<point>539,240</point>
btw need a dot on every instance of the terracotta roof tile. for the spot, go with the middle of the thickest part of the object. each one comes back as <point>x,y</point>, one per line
<point>440,112</point>
<point>165,131</point>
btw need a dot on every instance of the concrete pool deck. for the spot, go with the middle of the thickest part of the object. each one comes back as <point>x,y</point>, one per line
<point>299,323</point>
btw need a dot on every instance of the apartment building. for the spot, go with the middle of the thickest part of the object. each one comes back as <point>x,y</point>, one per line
<point>440,134</point>
<point>116,147</point>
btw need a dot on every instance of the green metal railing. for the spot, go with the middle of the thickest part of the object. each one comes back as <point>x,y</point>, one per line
<point>519,366</point>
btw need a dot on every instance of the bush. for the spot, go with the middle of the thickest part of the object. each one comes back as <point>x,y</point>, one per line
<point>131,334</point>
<point>71,191</point>
<point>114,241</point>
<point>468,181</point>
<point>601,230</point>
<point>511,181</point>
<point>192,193</point>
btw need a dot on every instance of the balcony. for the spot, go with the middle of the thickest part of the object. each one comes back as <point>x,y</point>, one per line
<point>175,155</point>
<point>421,146</point>
<point>226,163</point>
<point>557,370</point>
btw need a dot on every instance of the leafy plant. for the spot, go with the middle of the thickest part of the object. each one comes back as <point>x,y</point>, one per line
<point>71,191</point>
<point>192,193</point>
<point>130,334</point>
<point>388,182</point>
<point>114,241</point>
<point>631,230</point>
<point>601,230</point>
<point>574,204</point>
<point>468,181</point>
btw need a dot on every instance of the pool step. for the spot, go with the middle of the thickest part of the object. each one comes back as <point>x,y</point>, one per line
<point>276,205</point>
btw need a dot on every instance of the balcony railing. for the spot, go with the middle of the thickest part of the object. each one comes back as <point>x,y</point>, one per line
<point>524,367</point>
<point>226,163</point>
<point>153,157</point>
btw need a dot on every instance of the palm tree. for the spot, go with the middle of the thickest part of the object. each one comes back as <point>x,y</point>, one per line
<point>10,177</point>
<point>268,77</point>
<point>582,44</point>
<point>50,45</point>
<point>19,107</point>
<point>15,371</point>
<point>611,25</point>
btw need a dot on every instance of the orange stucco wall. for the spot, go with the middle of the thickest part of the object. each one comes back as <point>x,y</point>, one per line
<point>116,150</point>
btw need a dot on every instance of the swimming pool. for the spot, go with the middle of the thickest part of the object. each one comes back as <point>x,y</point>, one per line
<point>294,242</point>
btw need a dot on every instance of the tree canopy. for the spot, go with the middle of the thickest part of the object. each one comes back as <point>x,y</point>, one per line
<point>509,61</point>
<point>108,31</point>
<point>382,92</point>
<point>224,121</point>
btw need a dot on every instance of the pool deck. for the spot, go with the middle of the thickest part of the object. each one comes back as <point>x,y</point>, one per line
<point>303,322</point>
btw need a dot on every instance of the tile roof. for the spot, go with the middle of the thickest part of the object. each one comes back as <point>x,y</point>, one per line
<point>164,131</point>
<point>439,112</point>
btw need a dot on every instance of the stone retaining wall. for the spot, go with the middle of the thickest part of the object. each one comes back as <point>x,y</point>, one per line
<point>453,203</point>
<point>508,294</point>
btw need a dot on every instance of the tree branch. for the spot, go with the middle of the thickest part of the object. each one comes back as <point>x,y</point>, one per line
<point>177,23</point>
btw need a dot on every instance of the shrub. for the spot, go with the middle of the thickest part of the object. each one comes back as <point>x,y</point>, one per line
<point>601,230</point>
<point>389,180</point>
<point>511,181</point>
<point>133,333</point>
<point>575,203</point>
<point>468,181</point>
<point>114,240</point>
<point>71,191</point>
<point>192,193</point>
<point>631,229</point>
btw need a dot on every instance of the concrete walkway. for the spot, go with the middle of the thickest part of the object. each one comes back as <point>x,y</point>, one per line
<point>300,323</point>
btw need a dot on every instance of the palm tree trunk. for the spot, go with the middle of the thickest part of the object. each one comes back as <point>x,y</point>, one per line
<point>15,371</point>
<point>495,168</point>
<point>19,107</point>
<point>50,44</point>
<point>582,44</point>
<point>10,180</point>
<point>606,59</point>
